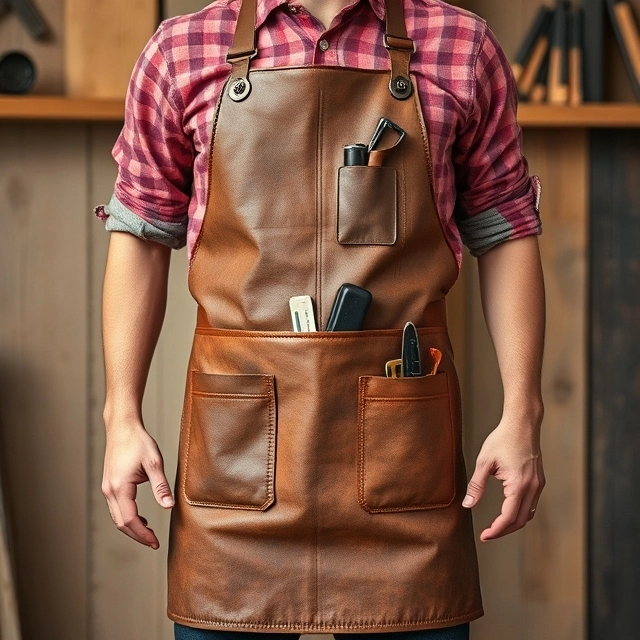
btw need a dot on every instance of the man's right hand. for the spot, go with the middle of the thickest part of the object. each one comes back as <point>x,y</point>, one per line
<point>134,300</point>
<point>132,457</point>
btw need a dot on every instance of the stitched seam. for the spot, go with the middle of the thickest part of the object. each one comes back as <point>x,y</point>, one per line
<point>403,203</point>
<point>312,336</point>
<point>231,396</point>
<point>318,626</point>
<point>361,437</point>
<point>271,442</point>
<point>319,216</point>
<point>443,394</point>
<point>453,429</point>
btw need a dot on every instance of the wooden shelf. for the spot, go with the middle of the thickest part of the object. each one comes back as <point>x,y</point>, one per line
<point>618,115</point>
<point>530,116</point>
<point>60,108</point>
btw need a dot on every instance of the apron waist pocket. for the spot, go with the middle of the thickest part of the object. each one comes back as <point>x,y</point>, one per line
<point>230,451</point>
<point>406,443</point>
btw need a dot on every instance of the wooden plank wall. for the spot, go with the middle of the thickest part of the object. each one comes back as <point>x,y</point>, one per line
<point>78,577</point>
<point>124,575</point>
<point>48,55</point>
<point>614,555</point>
<point>534,581</point>
<point>43,371</point>
<point>102,43</point>
<point>74,569</point>
<point>178,7</point>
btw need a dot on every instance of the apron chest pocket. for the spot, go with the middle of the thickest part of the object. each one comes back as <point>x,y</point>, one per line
<point>406,449</point>
<point>367,205</point>
<point>230,458</point>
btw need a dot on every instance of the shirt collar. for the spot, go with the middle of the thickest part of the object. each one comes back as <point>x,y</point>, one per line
<point>265,7</point>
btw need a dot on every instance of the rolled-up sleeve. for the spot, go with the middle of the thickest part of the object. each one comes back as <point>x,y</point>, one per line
<point>497,200</point>
<point>154,156</point>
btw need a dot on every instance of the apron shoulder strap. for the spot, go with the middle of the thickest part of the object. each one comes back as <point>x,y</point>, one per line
<point>244,48</point>
<point>400,48</point>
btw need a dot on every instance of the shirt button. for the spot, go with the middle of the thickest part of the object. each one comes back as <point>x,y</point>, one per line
<point>323,44</point>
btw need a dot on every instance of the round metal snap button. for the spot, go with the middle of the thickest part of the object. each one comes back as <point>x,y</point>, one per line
<point>323,44</point>
<point>401,87</point>
<point>239,89</point>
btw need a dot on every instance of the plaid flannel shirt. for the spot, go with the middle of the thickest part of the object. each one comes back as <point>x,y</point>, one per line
<point>483,191</point>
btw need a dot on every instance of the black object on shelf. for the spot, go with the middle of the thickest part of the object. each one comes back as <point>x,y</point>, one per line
<point>593,37</point>
<point>628,37</point>
<point>539,27</point>
<point>17,73</point>
<point>29,15</point>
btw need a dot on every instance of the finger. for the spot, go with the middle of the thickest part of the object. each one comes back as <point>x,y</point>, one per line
<point>508,515</point>
<point>114,512</point>
<point>476,485</point>
<point>536,497</point>
<point>158,481</point>
<point>526,511</point>
<point>132,524</point>
<point>530,501</point>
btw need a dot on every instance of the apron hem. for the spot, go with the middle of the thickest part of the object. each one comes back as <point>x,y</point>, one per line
<point>301,627</point>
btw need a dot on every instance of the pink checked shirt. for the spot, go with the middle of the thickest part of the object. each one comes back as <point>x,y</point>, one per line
<point>484,194</point>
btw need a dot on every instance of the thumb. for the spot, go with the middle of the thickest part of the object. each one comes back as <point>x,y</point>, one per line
<point>159,485</point>
<point>476,485</point>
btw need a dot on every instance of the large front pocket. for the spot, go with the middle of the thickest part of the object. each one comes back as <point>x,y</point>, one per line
<point>230,457</point>
<point>406,447</point>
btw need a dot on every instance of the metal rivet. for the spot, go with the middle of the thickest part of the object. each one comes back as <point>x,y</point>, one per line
<point>401,87</point>
<point>239,89</point>
<point>323,44</point>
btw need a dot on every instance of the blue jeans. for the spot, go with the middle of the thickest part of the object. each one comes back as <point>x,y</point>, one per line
<point>460,632</point>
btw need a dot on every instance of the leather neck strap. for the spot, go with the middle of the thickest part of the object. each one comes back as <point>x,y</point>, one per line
<point>396,42</point>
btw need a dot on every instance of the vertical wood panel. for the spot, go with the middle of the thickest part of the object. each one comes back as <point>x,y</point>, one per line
<point>47,55</point>
<point>617,83</point>
<point>508,20</point>
<point>178,7</point>
<point>103,42</point>
<point>43,371</point>
<point>534,580</point>
<point>615,386</point>
<point>126,576</point>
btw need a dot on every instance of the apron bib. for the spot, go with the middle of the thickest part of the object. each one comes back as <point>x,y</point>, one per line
<point>314,494</point>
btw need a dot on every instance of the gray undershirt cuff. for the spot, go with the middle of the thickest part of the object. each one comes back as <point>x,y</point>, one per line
<point>171,234</point>
<point>484,231</point>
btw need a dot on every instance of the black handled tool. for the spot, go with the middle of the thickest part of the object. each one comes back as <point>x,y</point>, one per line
<point>29,15</point>
<point>349,309</point>
<point>411,367</point>
<point>383,125</point>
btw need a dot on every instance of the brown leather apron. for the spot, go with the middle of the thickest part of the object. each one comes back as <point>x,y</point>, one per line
<point>313,493</point>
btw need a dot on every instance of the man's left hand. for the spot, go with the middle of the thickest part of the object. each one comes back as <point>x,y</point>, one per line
<point>511,453</point>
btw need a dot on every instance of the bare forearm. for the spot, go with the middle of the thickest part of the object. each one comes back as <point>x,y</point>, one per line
<point>134,302</point>
<point>512,290</point>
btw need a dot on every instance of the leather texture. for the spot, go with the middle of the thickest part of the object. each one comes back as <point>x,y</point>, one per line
<point>313,494</point>
<point>367,205</point>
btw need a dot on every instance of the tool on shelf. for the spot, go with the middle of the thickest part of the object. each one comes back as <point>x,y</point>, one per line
<point>29,15</point>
